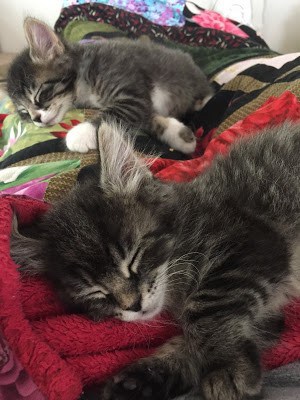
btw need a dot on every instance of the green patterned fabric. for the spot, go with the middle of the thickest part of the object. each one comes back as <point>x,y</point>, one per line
<point>77,29</point>
<point>18,135</point>
<point>14,176</point>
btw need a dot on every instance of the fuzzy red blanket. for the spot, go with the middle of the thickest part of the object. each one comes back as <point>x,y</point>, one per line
<point>64,352</point>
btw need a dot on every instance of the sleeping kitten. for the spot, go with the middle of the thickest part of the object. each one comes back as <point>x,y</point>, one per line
<point>139,83</point>
<point>220,253</point>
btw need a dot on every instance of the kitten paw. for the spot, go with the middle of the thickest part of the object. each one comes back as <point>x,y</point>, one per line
<point>138,382</point>
<point>225,384</point>
<point>179,136</point>
<point>82,138</point>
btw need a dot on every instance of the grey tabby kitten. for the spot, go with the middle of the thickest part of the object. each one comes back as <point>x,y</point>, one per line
<point>220,253</point>
<point>142,84</point>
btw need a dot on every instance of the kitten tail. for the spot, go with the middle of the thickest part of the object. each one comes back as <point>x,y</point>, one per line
<point>122,171</point>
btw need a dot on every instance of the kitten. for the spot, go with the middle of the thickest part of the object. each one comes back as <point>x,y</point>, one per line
<point>140,83</point>
<point>220,253</point>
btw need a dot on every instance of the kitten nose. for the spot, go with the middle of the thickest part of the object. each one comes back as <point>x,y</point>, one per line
<point>37,119</point>
<point>136,306</point>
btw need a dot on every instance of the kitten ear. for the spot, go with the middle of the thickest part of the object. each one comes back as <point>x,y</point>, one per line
<point>43,43</point>
<point>122,170</point>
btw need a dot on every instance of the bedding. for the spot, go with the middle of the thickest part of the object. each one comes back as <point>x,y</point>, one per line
<point>217,17</point>
<point>161,12</point>
<point>254,87</point>
<point>249,12</point>
<point>212,19</point>
<point>15,383</point>
<point>136,26</point>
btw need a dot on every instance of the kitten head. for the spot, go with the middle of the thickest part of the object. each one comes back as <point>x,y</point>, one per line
<point>108,246</point>
<point>41,79</point>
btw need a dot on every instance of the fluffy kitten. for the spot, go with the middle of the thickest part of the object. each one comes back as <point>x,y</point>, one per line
<point>221,253</point>
<point>143,84</point>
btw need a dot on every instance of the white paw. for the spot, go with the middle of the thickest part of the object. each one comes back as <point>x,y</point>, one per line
<point>82,138</point>
<point>179,137</point>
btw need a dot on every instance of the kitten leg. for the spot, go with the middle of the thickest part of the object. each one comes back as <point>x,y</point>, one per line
<point>215,356</point>
<point>136,113</point>
<point>220,330</point>
<point>235,379</point>
<point>174,133</point>
<point>82,137</point>
<point>153,378</point>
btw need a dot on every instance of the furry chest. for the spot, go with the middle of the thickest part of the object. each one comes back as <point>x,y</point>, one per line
<point>85,96</point>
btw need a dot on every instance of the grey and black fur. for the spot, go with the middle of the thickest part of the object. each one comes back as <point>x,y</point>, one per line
<point>142,84</point>
<point>220,253</point>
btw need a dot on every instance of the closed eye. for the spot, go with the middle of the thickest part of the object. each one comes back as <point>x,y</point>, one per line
<point>45,93</point>
<point>24,114</point>
<point>132,266</point>
<point>23,110</point>
<point>92,294</point>
<point>97,294</point>
<point>49,89</point>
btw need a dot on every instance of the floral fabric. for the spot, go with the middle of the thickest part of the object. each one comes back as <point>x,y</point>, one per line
<point>32,180</point>
<point>214,20</point>
<point>17,134</point>
<point>15,383</point>
<point>135,26</point>
<point>161,12</point>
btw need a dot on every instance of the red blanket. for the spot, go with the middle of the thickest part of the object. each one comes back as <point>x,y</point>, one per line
<point>63,352</point>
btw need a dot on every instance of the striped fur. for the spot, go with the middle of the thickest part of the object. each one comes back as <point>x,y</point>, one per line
<point>129,81</point>
<point>221,253</point>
